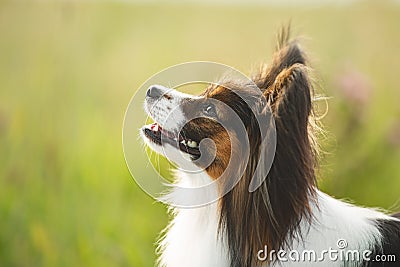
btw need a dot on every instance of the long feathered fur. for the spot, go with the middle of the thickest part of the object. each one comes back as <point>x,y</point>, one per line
<point>264,217</point>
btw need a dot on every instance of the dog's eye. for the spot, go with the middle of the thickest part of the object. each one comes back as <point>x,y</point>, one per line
<point>209,110</point>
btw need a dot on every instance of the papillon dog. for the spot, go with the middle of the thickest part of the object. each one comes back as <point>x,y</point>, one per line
<point>286,216</point>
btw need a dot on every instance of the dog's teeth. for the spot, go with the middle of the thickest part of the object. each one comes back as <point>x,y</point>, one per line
<point>192,144</point>
<point>183,142</point>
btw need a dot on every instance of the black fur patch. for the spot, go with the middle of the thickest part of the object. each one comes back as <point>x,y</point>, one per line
<point>390,230</point>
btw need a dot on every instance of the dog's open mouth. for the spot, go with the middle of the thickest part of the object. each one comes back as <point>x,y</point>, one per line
<point>158,135</point>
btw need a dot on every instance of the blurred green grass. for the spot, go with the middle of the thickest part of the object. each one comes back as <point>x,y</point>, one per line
<point>69,69</point>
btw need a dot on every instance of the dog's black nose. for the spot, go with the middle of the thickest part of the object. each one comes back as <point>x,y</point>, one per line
<point>154,91</point>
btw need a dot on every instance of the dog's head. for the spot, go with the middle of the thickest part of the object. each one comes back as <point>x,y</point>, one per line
<point>205,128</point>
<point>185,124</point>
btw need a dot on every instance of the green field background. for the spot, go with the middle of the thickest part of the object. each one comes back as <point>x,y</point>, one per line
<point>68,70</point>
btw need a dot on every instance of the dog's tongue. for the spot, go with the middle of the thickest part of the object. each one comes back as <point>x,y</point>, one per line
<point>155,127</point>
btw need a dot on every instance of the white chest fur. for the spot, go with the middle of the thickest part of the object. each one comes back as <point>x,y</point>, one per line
<point>192,238</point>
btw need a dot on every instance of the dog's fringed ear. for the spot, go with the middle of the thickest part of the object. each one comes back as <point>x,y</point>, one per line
<point>287,54</point>
<point>290,96</point>
<point>285,83</point>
